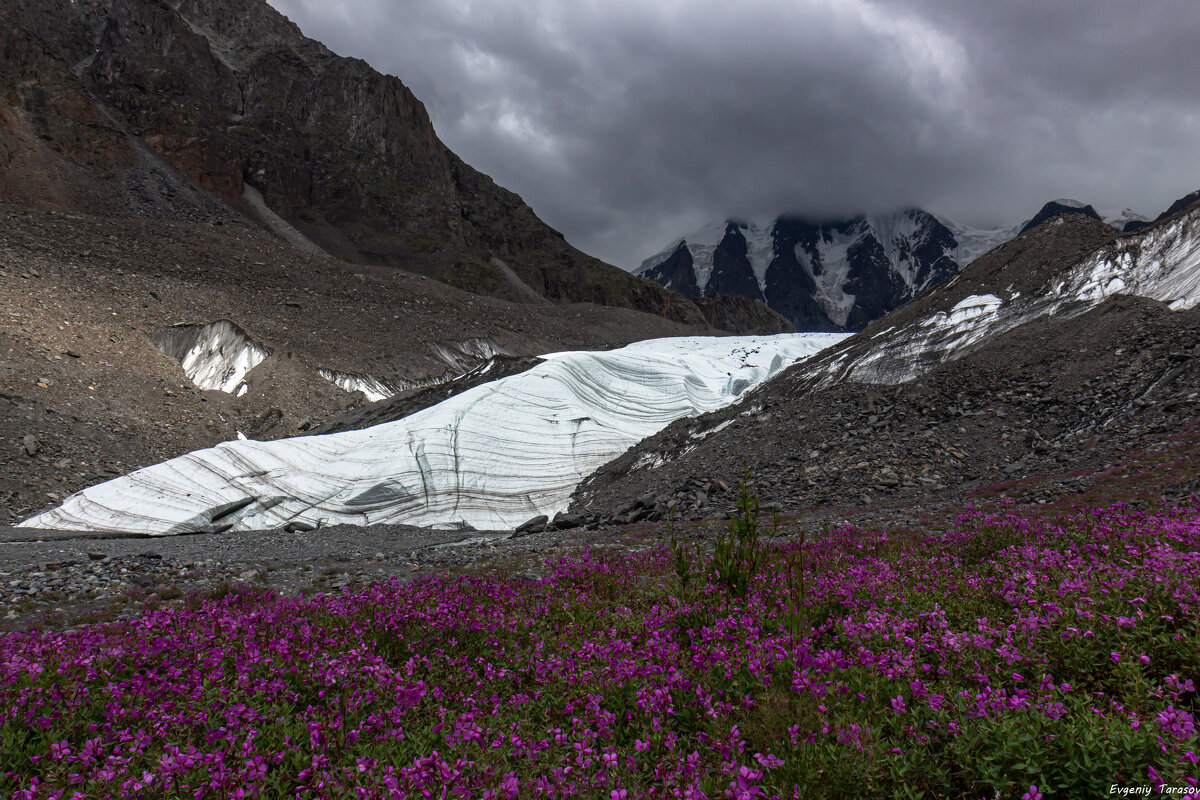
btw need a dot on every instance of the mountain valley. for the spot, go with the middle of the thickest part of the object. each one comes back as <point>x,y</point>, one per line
<point>203,264</point>
<point>949,395</point>
<point>328,469</point>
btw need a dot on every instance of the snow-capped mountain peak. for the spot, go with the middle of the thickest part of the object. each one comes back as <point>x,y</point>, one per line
<point>821,274</point>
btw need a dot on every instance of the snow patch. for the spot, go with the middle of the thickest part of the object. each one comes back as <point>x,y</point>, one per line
<point>974,242</point>
<point>760,250</point>
<point>490,457</point>
<point>470,357</point>
<point>700,436</point>
<point>934,340</point>
<point>1163,263</point>
<point>466,355</point>
<point>1118,217</point>
<point>377,389</point>
<point>216,356</point>
<point>648,461</point>
<point>373,388</point>
<point>834,251</point>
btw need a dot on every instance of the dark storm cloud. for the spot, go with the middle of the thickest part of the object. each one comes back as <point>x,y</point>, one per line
<point>625,123</point>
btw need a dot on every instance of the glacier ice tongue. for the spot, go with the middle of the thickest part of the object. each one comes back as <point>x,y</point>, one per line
<point>491,457</point>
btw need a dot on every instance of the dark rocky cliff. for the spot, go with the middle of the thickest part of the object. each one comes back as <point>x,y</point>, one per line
<point>232,95</point>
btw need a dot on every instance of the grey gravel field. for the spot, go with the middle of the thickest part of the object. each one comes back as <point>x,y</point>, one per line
<point>57,579</point>
<point>57,576</point>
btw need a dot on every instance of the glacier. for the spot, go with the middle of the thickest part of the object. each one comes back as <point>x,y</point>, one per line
<point>489,458</point>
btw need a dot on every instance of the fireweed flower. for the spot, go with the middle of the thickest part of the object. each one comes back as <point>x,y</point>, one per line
<point>769,761</point>
<point>1178,724</point>
<point>600,679</point>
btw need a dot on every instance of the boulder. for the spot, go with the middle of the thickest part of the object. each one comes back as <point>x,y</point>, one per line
<point>535,525</point>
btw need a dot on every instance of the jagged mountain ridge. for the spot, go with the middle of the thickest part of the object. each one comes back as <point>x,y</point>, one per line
<point>822,276</point>
<point>1056,207</point>
<point>260,120</point>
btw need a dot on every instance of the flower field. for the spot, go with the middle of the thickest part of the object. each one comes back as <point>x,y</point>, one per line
<point>1005,657</point>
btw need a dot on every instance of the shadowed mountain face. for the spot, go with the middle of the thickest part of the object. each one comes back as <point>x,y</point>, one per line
<point>820,275</point>
<point>246,109</point>
<point>731,269</point>
<point>1182,204</point>
<point>678,272</point>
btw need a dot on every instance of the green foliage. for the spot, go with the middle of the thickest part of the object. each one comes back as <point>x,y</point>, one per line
<point>683,567</point>
<point>795,618</point>
<point>738,553</point>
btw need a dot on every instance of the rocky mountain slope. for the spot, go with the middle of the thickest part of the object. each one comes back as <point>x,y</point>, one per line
<point>174,177</point>
<point>1067,349</point>
<point>253,117</point>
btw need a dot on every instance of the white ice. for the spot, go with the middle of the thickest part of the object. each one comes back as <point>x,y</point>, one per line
<point>372,388</point>
<point>491,457</point>
<point>974,242</point>
<point>933,339</point>
<point>217,356</point>
<point>1163,264</point>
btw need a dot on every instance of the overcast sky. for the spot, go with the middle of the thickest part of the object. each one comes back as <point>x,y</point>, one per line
<point>627,123</point>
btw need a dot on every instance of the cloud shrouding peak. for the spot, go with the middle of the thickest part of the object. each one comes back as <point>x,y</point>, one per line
<point>625,124</point>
